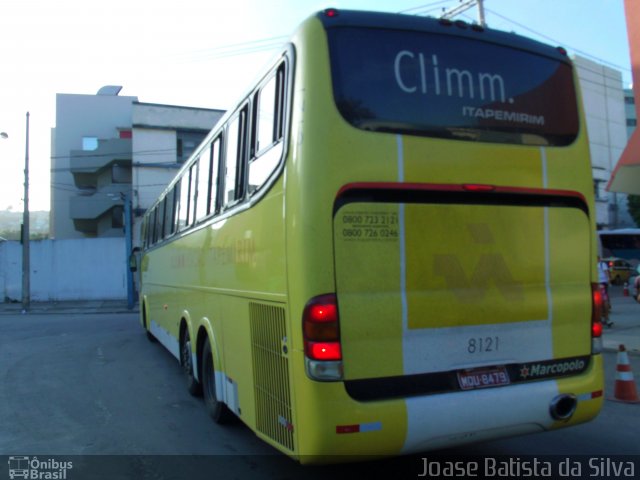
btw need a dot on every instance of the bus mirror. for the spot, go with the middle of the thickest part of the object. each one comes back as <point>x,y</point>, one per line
<point>133,259</point>
<point>133,262</point>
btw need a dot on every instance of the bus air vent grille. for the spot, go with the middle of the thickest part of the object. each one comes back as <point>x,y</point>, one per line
<point>271,373</point>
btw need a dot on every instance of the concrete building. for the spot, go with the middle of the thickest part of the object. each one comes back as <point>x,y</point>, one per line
<point>630,111</point>
<point>164,136</point>
<point>604,104</point>
<point>107,149</point>
<point>90,164</point>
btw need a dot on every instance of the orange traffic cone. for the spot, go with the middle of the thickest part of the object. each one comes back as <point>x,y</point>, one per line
<point>625,290</point>
<point>625,387</point>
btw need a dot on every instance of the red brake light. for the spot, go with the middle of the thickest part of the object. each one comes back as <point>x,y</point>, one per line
<point>324,350</point>
<point>596,330</point>
<point>472,187</point>
<point>321,328</point>
<point>596,311</point>
<point>323,312</point>
<point>331,12</point>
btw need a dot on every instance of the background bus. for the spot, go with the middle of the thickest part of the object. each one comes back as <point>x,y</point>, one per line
<point>388,245</point>
<point>622,243</point>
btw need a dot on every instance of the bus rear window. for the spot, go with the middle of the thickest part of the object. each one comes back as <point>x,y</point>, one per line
<point>451,87</point>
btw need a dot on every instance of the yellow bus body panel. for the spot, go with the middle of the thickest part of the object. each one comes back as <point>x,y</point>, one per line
<point>447,267</point>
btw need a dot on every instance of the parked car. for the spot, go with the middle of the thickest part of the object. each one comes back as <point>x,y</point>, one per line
<point>620,270</point>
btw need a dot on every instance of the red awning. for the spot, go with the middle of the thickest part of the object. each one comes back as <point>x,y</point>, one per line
<point>625,178</point>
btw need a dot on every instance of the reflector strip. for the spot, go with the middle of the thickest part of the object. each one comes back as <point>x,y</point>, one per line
<point>625,376</point>
<point>363,427</point>
<point>590,396</point>
<point>347,428</point>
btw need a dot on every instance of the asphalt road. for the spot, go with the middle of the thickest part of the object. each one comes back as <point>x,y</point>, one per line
<point>87,385</point>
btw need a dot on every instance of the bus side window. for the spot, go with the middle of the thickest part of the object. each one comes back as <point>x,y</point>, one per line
<point>215,175</point>
<point>268,126</point>
<point>204,181</point>
<point>153,229</point>
<point>150,228</point>
<point>234,156</point>
<point>159,220</point>
<point>169,223</point>
<point>183,202</point>
<point>193,192</point>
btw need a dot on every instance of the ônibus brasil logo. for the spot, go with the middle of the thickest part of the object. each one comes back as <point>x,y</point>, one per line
<point>35,469</point>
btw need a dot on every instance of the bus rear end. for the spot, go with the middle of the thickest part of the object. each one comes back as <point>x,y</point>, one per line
<point>455,202</point>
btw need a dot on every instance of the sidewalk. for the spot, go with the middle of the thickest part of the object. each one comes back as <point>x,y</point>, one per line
<point>69,307</point>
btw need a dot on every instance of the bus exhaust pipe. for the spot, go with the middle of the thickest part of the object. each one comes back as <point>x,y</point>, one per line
<point>563,406</point>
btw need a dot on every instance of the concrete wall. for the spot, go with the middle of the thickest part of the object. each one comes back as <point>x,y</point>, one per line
<point>603,99</point>
<point>77,269</point>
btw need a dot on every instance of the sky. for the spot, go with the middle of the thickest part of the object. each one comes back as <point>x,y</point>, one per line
<point>206,53</point>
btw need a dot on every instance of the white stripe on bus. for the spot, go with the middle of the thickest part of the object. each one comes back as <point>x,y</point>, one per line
<point>479,415</point>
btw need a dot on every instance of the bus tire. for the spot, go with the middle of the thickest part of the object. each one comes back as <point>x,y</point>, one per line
<point>218,411</point>
<point>186,361</point>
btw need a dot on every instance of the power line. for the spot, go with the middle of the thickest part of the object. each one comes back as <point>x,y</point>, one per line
<point>252,46</point>
<point>270,43</point>
<point>427,6</point>
<point>581,52</point>
<point>128,153</point>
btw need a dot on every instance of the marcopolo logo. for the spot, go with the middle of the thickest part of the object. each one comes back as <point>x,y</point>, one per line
<point>552,369</point>
<point>36,469</point>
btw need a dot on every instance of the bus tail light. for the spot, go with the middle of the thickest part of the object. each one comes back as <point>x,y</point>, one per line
<point>331,12</point>
<point>321,331</point>
<point>596,318</point>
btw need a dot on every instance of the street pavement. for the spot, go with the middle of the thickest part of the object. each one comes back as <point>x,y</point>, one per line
<point>625,315</point>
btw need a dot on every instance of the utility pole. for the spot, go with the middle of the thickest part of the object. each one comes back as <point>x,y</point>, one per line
<point>128,248</point>
<point>26,267</point>
<point>481,19</point>
<point>463,7</point>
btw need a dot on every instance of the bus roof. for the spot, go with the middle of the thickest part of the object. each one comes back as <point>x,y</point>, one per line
<point>358,18</point>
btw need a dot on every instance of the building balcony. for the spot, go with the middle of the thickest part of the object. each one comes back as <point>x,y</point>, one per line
<point>91,207</point>
<point>110,151</point>
<point>98,214</point>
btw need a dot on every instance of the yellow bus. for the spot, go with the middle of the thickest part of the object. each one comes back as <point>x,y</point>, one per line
<point>388,245</point>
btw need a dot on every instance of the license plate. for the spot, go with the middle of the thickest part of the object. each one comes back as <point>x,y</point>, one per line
<point>483,378</point>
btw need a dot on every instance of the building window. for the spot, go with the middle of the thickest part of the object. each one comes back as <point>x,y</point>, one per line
<point>89,143</point>
<point>186,143</point>
<point>632,122</point>
<point>629,100</point>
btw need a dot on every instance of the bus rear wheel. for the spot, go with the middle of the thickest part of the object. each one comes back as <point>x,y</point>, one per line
<point>219,412</point>
<point>194,387</point>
